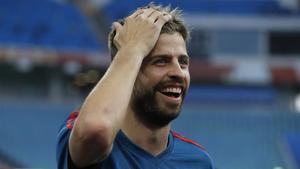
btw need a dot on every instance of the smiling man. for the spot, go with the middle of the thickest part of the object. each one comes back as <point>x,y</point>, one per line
<point>125,122</point>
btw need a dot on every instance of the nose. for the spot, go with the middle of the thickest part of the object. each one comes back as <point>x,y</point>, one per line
<point>176,70</point>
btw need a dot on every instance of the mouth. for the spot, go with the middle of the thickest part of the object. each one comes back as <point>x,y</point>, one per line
<point>172,92</point>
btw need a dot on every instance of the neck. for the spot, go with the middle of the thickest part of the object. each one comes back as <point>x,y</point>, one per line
<point>152,139</point>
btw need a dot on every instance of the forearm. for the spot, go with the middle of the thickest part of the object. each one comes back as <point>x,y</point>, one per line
<point>104,110</point>
<point>110,97</point>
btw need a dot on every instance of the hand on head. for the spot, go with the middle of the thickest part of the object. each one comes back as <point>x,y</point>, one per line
<point>140,30</point>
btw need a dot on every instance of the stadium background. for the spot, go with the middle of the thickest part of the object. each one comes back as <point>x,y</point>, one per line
<point>243,105</point>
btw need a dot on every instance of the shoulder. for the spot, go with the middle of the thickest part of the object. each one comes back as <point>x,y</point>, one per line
<point>182,140</point>
<point>71,119</point>
<point>63,140</point>
<point>184,145</point>
<point>186,148</point>
<point>67,125</point>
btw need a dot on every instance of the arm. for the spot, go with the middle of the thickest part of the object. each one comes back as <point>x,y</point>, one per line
<point>104,109</point>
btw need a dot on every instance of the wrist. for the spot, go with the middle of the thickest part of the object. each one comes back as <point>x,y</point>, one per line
<point>129,56</point>
<point>132,51</point>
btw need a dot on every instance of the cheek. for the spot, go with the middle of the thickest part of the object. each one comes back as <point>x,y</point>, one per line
<point>147,81</point>
<point>152,77</point>
<point>142,78</point>
<point>188,78</point>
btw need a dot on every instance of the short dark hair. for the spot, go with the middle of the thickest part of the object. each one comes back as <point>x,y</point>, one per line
<point>175,24</point>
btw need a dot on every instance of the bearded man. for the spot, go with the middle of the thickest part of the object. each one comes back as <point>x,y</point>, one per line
<point>125,121</point>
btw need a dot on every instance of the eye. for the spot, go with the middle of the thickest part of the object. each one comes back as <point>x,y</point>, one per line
<point>160,61</point>
<point>184,62</point>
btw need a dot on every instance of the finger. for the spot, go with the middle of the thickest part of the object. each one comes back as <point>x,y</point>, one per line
<point>136,13</point>
<point>118,28</point>
<point>162,19</point>
<point>147,12</point>
<point>154,16</point>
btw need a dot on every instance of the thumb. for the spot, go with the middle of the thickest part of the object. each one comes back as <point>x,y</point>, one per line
<point>117,26</point>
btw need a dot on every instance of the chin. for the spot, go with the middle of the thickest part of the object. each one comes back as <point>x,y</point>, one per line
<point>170,112</point>
<point>169,108</point>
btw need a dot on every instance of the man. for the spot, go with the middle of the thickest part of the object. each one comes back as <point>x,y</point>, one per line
<point>124,123</point>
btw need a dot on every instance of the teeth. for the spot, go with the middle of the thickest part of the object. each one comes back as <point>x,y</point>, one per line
<point>172,89</point>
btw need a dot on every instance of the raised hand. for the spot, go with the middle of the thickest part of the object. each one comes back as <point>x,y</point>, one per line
<point>140,30</point>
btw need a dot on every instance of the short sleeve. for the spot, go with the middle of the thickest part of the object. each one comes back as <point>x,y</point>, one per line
<point>62,147</point>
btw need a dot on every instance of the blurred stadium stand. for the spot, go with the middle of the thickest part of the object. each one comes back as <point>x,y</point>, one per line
<point>245,68</point>
<point>294,148</point>
<point>261,33</point>
<point>46,24</point>
<point>241,137</point>
<point>28,132</point>
<point>116,9</point>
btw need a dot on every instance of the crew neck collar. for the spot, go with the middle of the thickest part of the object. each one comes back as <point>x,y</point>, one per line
<point>125,141</point>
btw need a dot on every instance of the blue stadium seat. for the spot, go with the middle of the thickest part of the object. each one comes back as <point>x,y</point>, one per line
<point>46,24</point>
<point>293,141</point>
<point>119,9</point>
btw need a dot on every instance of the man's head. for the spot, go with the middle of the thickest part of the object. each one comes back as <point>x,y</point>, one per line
<point>163,79</point>
<point>162,82</point>
<point>175,24</point>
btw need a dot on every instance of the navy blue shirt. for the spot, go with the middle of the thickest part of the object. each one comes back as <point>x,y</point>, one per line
<point>181,153</point>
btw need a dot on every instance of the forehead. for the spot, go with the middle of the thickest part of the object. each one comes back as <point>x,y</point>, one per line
<point>169,44</point>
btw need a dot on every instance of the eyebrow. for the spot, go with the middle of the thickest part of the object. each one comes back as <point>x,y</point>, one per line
<point>167,56</point>
<point>184,56</point>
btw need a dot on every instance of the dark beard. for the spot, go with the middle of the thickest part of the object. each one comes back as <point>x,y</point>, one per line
<point>147,109</point>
